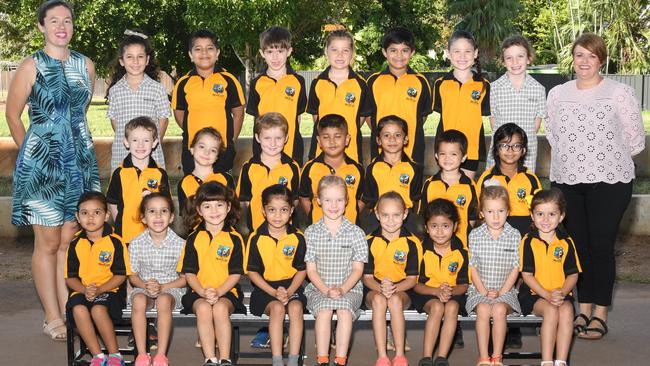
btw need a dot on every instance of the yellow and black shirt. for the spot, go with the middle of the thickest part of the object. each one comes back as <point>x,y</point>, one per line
<point>97,262</point>
<point>350,171</point>
<point>255,177</point>
<point>273,259</point>
<point>462,194</point>
<point>190,183</point>
<point>213,258</point>
<point>286,96</point>
<point>408,97</point>
<point>393,259</point>
<point>550,263</point>
<point>125,190</point>
<point>208,103</point>
<point>520,188</point>
<point>461,107</point>
<point>350,100</point>
<point>451,268</point>
<point>405,178</point>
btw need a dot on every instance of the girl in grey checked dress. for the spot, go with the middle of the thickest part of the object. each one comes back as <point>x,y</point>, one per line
<point>494,268</point>
<point>154,257</point>
<point>336,253</point>
<point>135,91</point>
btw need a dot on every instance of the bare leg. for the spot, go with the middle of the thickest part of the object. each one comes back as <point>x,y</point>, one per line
<point>396,304</point>
<point>378,303</point>
<point>431,328</point>
<point>44,259</point>
<point>295,326</point>
<point>205,327</point>
<point>67,234</point>
<point>499,327</point>
<point>86,329</point>
<point>564,331</point>
<point>164,306</point>
<point>322,330</point>
<point>139,322</point>
<point>548,330</point>
<point>343,332</point>
<point>483,329</point>
<point>105,327</point>
<point>223,328</point>
<point>448,328</point>
<point>275,310</point>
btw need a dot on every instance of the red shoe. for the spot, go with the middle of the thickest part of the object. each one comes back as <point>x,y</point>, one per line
<point>160,360</point>
<point>400,361</point>
<point>383,361</point>
<point>143,359</point>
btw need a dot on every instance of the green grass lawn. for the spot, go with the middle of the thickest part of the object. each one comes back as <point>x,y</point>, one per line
<point>100,126</point>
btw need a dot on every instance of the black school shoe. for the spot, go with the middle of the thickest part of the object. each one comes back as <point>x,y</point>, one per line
<point>440,361</point>
<point>425,361</point>
<point>458,338</point>
<point>210,363</point>
<point>513,338</point>
<point>225,362</point>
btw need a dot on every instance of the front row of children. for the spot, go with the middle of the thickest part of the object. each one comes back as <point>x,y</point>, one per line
<point>390,268</point>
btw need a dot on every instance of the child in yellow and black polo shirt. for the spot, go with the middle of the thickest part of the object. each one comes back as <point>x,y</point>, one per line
<point>549,266</point>
<point>392,170</point>
<point>208,96</point>
<point>276,267</point>
<point>333,138</point>
<point>137,176</point>
<point>462,98</point>
<point>400,91</point>
<point>451,182</point>
<point>279,89</point>
<point>509,151</point>
<point>271,166</point>
<point>339,90</point>
<point>97,265</point>
<point>206,148</point>
<point>443,280</point>
<point>391,272</point>
<point>213,262</point>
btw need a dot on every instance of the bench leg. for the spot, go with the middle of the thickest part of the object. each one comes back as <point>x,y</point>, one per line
<point>70,342</point>
<point>301,356</point>
<point>234,344</point>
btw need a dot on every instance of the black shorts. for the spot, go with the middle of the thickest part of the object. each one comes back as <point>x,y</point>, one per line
<point>114,302</point>
<point>419,301</point>
<point>527,301</point>
<point>190,297</point>
<point>260,299</point>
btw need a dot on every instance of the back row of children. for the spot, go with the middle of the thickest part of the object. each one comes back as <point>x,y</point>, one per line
<point>209,96</point>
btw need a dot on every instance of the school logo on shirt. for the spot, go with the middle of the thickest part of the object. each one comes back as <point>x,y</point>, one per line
<point>558,253</point>
<point>283,180</point>
<point>350,179</point>
<point>412,92</point>
<point>521,193</point>
<point>223,251</point>
<point>217,88</point>
<point>461,200</point>
<point>404,179</point>
<point>453,267</point>
<point>152,183</point>
<point>399,257</point>
<point>288,250</point>
<point>350,98</point>
<point>105,257</point>
<point>290,91</point>
<point>476,95</point>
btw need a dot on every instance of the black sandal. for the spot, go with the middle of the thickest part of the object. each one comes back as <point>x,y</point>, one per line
<point>601,331</point>
<point>577,328</point>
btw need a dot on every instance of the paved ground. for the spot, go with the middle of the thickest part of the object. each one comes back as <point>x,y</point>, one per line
<point>22,343</point>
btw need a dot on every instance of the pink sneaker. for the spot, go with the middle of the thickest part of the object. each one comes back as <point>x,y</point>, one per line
<point>400,361</point>
<point>115,361</point>
<point>143,359</point>
<point>382,361</point>
<point>160,360</point>
<point>98,361</point>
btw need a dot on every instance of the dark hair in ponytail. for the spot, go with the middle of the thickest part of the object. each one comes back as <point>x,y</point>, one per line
<point>463,34</point>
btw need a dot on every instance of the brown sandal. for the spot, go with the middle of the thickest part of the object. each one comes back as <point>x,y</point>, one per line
<point>56,330</point>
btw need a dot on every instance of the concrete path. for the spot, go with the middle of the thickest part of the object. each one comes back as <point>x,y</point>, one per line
<point>22,343</point>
